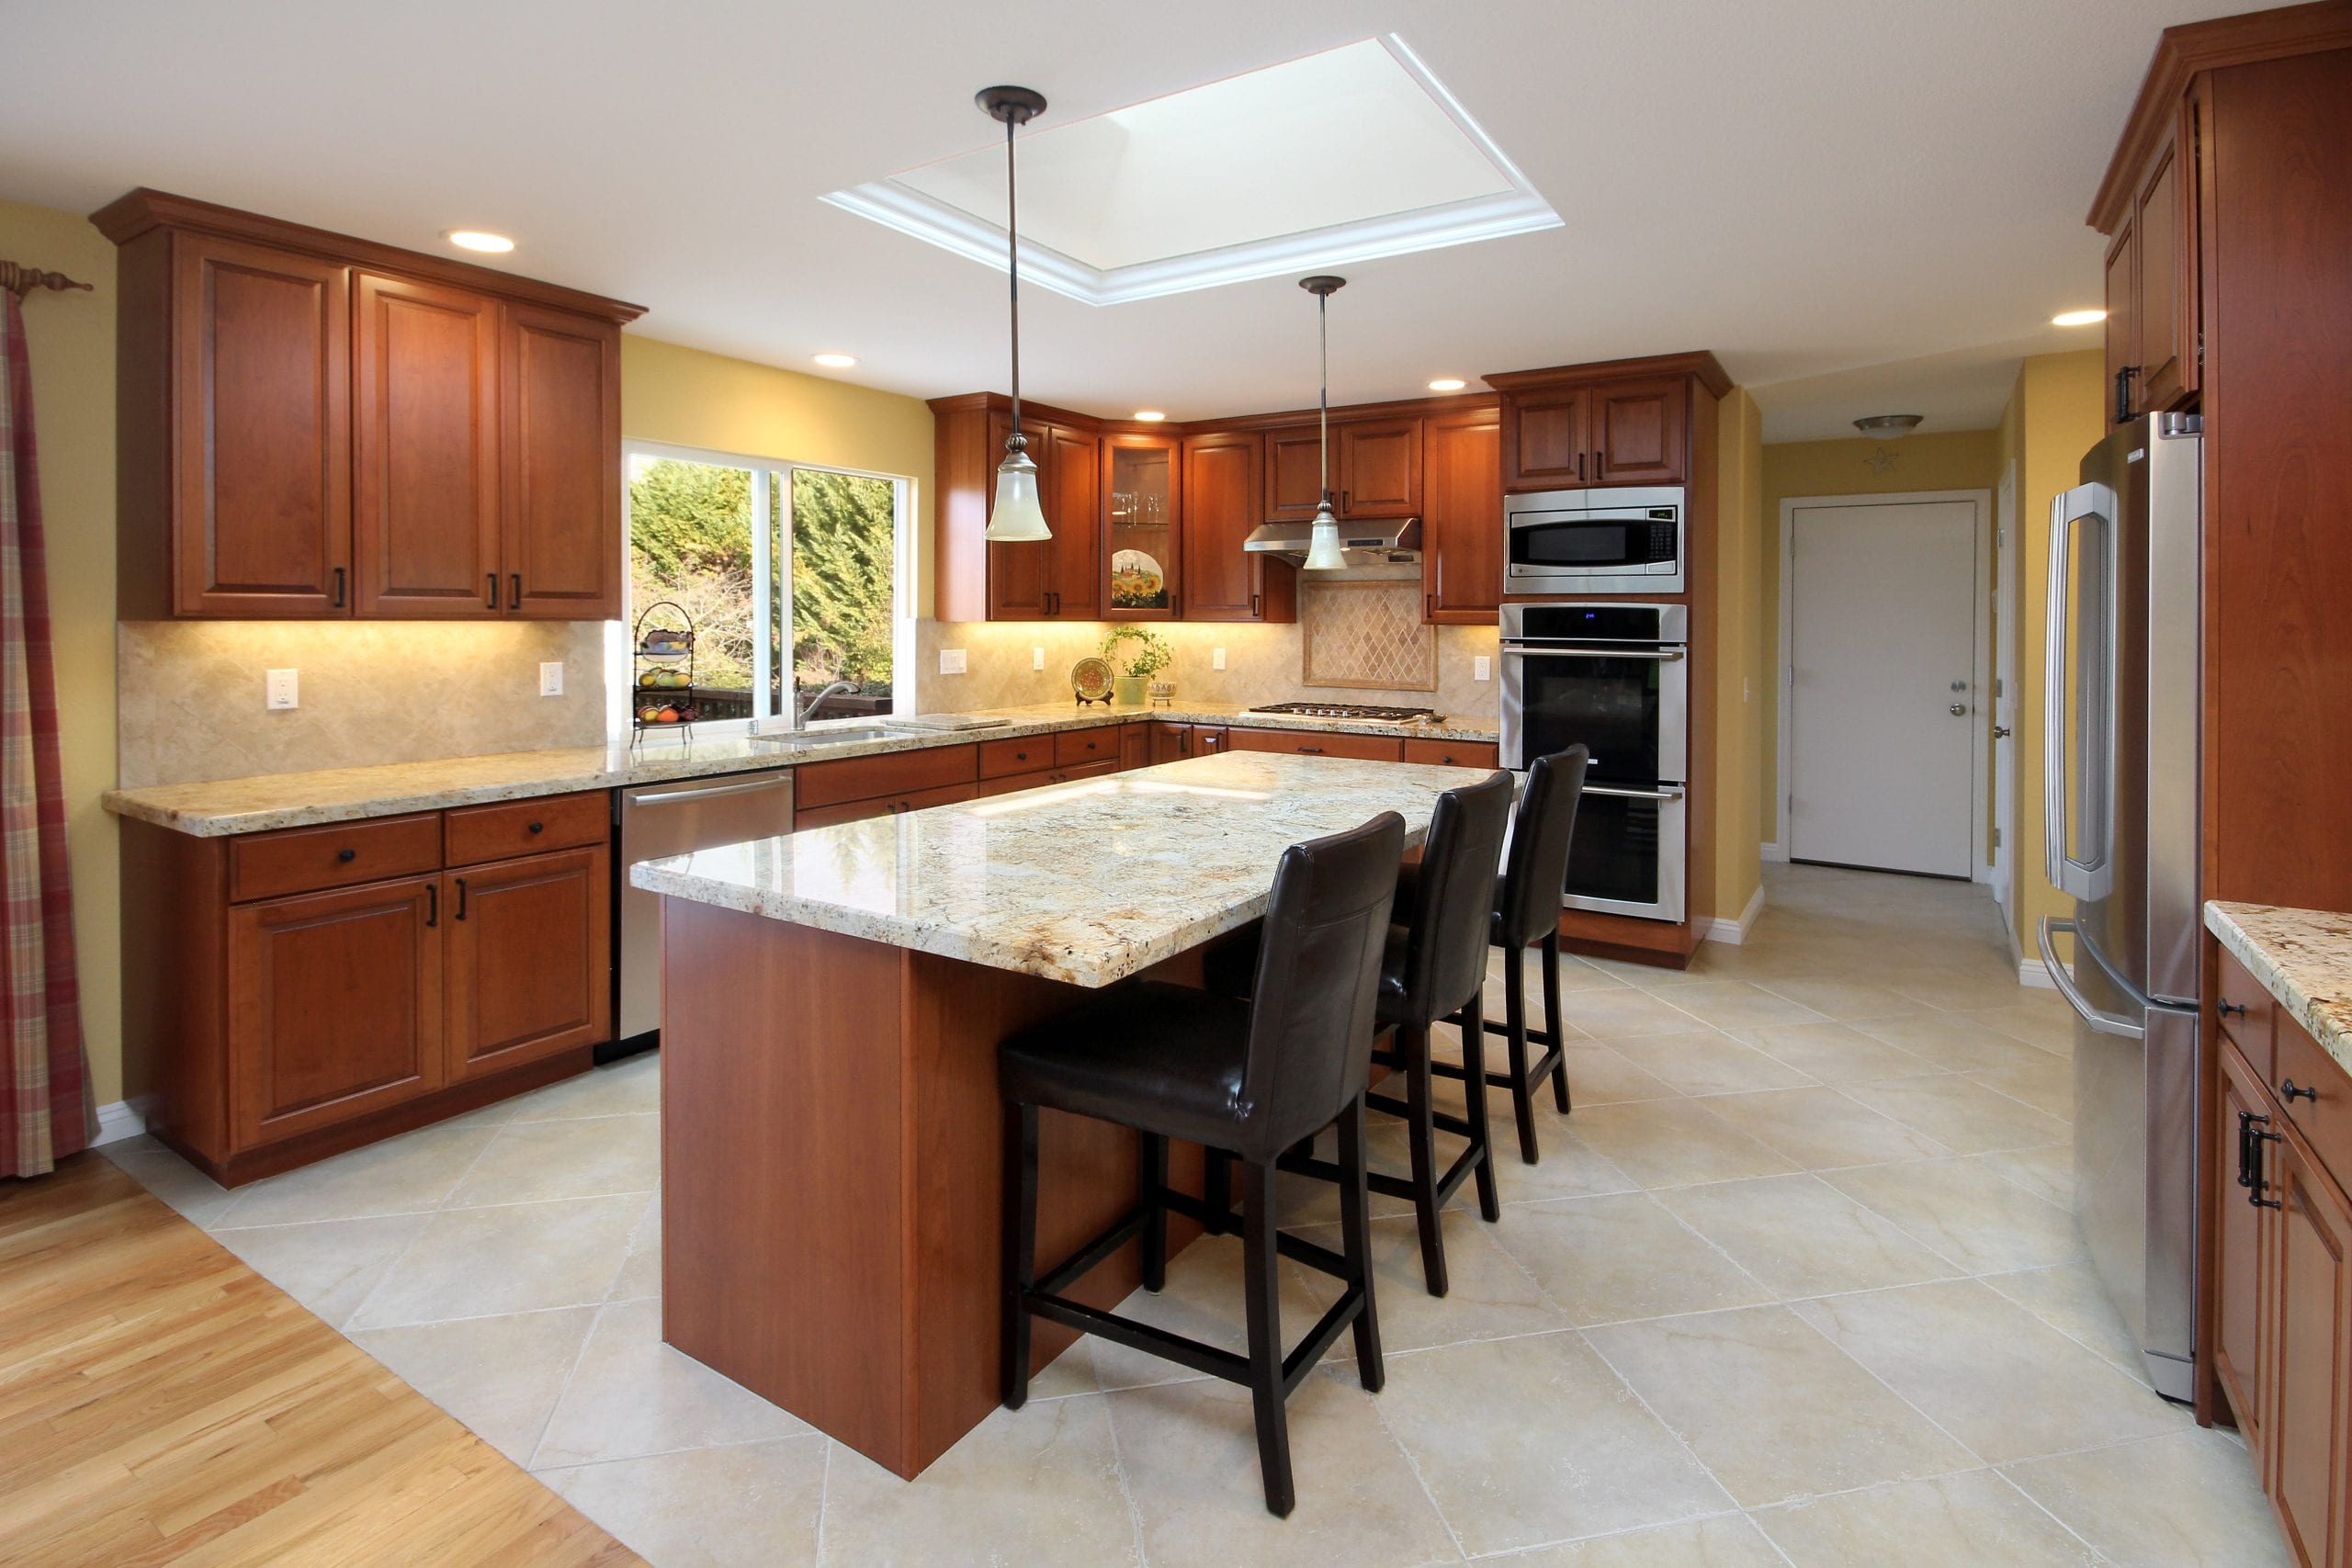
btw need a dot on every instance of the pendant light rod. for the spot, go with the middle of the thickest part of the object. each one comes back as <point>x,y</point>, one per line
<point>1014,107</point>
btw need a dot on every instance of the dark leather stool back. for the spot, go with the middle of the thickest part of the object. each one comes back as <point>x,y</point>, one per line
<point>1536,878</point>
<point>1454,893</point>
<point>1318,969</point>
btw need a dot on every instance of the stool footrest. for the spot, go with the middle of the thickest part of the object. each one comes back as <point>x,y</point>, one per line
<point>1381,1182</point>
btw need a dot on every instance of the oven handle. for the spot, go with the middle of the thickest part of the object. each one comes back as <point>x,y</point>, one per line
<point>1633,793</point>
<point>1664,655</point>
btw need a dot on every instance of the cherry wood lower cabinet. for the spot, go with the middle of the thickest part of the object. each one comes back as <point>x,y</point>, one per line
<point>1454,754</point>
<point>1320,744</point>
<point>2283,1257</point>
<point>305,991</point>
<point>1175,743</point>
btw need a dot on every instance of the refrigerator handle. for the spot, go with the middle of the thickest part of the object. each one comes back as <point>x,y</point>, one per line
<point>2081,879</point>
<point>2061,976</point>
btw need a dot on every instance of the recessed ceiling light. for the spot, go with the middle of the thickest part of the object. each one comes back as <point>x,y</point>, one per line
<point>2077,318</point>
<point>481,240</point>
<point>1149,416</point>
<point>837,361</point>
<point>1448,384</point>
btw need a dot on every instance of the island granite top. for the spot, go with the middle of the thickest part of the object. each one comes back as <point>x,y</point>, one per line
<point>2304,957</point>
<point>1086,881</point>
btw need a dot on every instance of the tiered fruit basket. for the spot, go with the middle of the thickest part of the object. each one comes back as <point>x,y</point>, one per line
<point>661,685</point>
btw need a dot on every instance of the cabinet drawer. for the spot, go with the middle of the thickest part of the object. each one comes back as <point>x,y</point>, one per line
<point>2236,988</point>
<point>831,816</point>
<point>2326,1120</point>
<point>476,833</point>
<point>306,860</point>
<point>1001,757</point>
<point>1319,743</point>
<point>897,773</point>
<point>1073,748</point>
<point>1454,754</point>
<point>1009,783</point>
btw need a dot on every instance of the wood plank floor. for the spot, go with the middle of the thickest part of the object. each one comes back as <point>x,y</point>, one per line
<point>162,1403</point>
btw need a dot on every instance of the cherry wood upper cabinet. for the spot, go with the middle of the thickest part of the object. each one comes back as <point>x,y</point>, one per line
<point>1379,467</point>
<point>1625,421</point>
<point>1017,574</point>
<point>1220,481</point>
<point>1547,439</point>
<point>2123,303</point>
<point>235,440</point>
<point>1142,510</point>
<point>562,546</point>
<point>424,512</point>
<point>1638,431</point>
<point>312,425</point>
<point>1073,500</point>
<point>1294,474</point>
<point>1462,525</point>
<point>529,959</point>
<point>2153,314</point>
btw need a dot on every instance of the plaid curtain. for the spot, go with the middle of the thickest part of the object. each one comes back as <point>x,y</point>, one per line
<point>44,1083</point>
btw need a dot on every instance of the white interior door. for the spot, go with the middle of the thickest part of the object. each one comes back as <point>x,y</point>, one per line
<point>1882,708</point>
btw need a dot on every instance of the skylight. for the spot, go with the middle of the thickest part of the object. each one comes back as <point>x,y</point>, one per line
<point>1339,157</point>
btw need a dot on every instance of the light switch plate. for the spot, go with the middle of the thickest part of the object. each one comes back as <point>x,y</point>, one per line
<point>1482,668</point>
<point>1037,659</point>
<point>950,662</point>
<point>551,678</point>
<point>283,688</point>
<point>1216,658</point>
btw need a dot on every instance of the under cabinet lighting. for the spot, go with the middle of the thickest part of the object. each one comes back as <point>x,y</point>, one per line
<point>481,240</point>
<point>837,361</point>
<point>2077,318</point>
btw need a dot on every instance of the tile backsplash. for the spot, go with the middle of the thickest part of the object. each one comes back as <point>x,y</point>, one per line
<point>190,692</point>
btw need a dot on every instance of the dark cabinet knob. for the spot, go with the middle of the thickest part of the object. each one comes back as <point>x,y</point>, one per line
<point>347,856</point>
<point>539,827</point>
<point>2292,1092</point>
<point>2226,1007</point>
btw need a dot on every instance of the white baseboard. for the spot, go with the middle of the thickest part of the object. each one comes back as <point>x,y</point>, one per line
<point>1773,853</point>
<point>2033,972</point>
<point>121,1118</point>
<point>1732,933</point>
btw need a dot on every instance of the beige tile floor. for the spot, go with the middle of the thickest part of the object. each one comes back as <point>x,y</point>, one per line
<point>1796,1285</point>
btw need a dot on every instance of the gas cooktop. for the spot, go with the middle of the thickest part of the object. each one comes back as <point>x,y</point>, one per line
<point>1356,711</point>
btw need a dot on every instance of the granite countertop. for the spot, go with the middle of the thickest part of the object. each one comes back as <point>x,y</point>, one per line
<point>1086,881</point>
<point>2304,957</point>
<point>340,795</point>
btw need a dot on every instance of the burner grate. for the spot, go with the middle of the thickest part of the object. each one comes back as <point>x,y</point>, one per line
<point>1359,710</point>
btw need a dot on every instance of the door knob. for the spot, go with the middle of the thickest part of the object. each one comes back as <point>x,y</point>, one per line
<point>2000,732</point>
<point>1958,710</point>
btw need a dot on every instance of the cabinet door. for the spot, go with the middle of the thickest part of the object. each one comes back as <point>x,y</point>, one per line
<point>1294,474</point>
<point>1018,574</point>
<point>1135,745</point>
<point>1222,581</point>
<point>261,432</point>
<point>1461,526</point>
<point>1073,499</point>
<point>2122,319</point>
<point>561,437</point>
<point>1171,742</point>
<point>530,959</point>
<point>335,1007</point>
<point>2165,307</point>
<point>2242,1254</point>
<point>1638,431</point>
<point>2311,1419</point>
<point>1140,522</point>
<point>425,490</point>
<point>1208,739</point>
<point>1379,467</point>
<point>1547,439</point>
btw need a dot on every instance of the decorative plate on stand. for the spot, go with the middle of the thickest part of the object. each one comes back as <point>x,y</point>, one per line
<point>1090,682</point>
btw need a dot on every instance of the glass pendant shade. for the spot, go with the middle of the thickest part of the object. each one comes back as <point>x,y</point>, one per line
<point>1323,552</point>
<point>1017,518</point>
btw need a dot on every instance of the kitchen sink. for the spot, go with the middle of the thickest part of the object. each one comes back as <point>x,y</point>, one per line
<point>848,735</point>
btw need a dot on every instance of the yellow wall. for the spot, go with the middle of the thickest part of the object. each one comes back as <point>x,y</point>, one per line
<point>70,340</point>
<point>1963,459</point>
<point>685,397</point>
<point>1743,670</point>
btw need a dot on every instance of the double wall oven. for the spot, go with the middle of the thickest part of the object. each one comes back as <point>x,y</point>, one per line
<point>1614,677</point>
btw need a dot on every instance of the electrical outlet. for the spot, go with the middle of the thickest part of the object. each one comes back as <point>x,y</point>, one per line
<point>284,688</point>
<point>1216,658</point>
<point>1482,668</point>
<point>950,662</point>
<point>551,678</point>
<point>1037,659</point>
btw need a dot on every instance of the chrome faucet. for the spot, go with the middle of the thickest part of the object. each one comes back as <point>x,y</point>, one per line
<point>802,710</point>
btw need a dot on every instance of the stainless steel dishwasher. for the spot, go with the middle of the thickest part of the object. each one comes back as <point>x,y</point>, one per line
<point>664,819</point>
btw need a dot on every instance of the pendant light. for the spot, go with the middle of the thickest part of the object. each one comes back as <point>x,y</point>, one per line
<point>1016,517</point>
<point>1323,552</point>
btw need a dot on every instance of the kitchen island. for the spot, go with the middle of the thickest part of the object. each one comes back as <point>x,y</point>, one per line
<point>830,1133</point>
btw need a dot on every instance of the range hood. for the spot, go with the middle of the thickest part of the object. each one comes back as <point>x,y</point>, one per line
<point>1387,537</point>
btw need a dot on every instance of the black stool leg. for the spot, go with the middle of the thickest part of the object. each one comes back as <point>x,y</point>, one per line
<point>1552,1019</point>
<point>1020,1245</point>
<point>1217,1189</point>
<point>1474,1085</point>
<point>1261,1287</point>
<point>1355,1229</point>
<point>1522,1097</point>
<point>1151,1190</point>
<point>1420,1138</point>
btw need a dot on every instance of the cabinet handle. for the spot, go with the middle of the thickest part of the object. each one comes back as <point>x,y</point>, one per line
<point>2250,1158</point>
<point>2226,1007</point>
<point>461,898</point>
<point>2293,1093</point>
<point>493,591</point>
<point>347,856</point>
<point>338,587</point>
<point>432,904</point>
<point>514,600</point>
<point>1253,606</point>
<point>1312,751</point>
<point>2123,378</point>
<point>1344,496</point>
<point>1428,606</point>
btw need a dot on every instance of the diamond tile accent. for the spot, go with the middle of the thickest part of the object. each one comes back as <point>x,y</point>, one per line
<point>1366,634</point>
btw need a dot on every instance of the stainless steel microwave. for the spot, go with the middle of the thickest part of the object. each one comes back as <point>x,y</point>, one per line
<point>1595,541</point>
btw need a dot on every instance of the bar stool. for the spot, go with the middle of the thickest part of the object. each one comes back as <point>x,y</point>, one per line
<point>1435,969</point>
<point>1528,898</point>
<point>1247,1077</point>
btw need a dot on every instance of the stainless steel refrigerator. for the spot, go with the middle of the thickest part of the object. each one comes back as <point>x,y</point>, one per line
<point>2120,790</point>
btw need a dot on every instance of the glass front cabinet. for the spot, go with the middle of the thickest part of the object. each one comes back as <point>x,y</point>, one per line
<point>1139,551</point>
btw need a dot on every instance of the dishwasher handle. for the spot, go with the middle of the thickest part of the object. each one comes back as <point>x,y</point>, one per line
<point>709,792</point>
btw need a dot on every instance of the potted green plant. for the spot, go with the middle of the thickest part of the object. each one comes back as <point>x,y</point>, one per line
<point>1130,669</point>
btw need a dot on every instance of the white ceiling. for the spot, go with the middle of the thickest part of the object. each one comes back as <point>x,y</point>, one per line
<point>1856,207</point>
